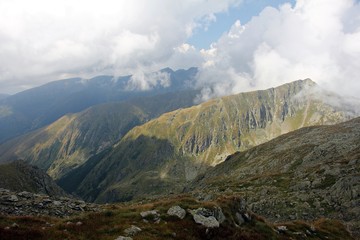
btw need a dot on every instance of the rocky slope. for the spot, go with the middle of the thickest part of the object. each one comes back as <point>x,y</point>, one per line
<point>74,138</point>
<point>40,106</point>
<point>180,217</point>
<point>32,204</point>
<point>306,174</point>
<point>19,176</point>
<point>163,154</point>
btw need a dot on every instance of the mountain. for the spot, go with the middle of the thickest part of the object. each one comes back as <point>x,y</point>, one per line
<point>309,173</point>
<point>160,156</point>
<point>70,141</point>
<point>40,106</point>
<point>19,176</point>
<point>2,95</point>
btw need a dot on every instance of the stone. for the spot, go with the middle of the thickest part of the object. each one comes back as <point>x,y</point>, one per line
<point>209,217</point>
<point>14,225</point>
<point>123,238</point>
<point>57,203</point>
<point>132,231</point>
<point>219,215</point>
<point>13,198</point>
<point>177,211</point>
<point>149,213</point>
<point>209,222</point>
<point>239,218</point>
<point>25,194</point>
<point>282,228</point>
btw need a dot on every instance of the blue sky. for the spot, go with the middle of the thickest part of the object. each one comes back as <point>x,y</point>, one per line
<point>202,38</point>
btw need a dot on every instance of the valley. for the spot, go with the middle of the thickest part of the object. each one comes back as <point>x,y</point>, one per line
<point>278,163</point>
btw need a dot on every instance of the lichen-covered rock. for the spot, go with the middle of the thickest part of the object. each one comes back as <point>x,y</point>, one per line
<point>207,217</point>
<point>30,204</point>
<point>132,231</point>
<point>123,238</point>
<point>177,211</point>
<point>209,222</point>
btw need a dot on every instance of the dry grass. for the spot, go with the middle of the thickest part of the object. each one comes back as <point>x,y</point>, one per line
<point>111,223</point>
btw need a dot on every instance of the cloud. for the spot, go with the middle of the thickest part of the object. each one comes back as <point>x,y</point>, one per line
<point>44,40</point>
<point>146,81</point>
<point>317,39</point>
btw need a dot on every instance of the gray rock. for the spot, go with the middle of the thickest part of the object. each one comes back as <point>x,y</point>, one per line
<point>57,203</point>
<point>25,194</point>
<point>282,228</point>
<point>149,213</point>
<point>219,215</point>
<point>239,218</point>
<point>123,238</point>
<point>209,222</point>
<point>132,231</point>
<point>13,198</point>
<point>177,211</point>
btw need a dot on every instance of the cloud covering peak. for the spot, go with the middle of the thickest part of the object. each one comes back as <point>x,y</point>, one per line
<point>47,40</point>
<point>43,39</point>
<point>317,39</point>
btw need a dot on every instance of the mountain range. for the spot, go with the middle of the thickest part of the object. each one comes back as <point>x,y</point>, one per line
<point>74,138</point>
<point>162,155</point>
<point>2,95</point>
<point>40,106</point>
<point>287,153</point>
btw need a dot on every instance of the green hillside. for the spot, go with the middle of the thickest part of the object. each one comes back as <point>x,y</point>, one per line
<point>74,138</point>
<point>160,156</point>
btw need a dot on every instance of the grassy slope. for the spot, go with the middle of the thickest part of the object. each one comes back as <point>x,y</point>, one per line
<point>201,136</point>
<point>70,141</point>
<point>19,176</point>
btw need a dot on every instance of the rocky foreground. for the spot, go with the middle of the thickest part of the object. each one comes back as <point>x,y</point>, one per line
<point>32,216</point>
<point>26,203</point>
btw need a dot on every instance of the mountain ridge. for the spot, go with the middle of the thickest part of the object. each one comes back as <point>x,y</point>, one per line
<point>166,152</point>
<point>40,106</point>
<point>71,140</point>
<point>20,176</point>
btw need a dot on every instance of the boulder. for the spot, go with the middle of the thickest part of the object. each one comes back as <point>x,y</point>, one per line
<point>149,213</point>
<point>177,211</point>
<point>206,217</point>
<point>132,231</point>
<point>123,238</point>
<point>209,222</point>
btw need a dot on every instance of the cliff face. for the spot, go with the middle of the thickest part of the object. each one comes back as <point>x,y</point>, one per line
<point>19,176</point>
<point>168,151</point>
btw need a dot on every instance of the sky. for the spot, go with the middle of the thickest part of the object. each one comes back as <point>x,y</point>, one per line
<point>238,45</point>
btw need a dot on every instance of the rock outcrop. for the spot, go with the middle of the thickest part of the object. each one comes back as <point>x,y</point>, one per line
<point>30,204</point>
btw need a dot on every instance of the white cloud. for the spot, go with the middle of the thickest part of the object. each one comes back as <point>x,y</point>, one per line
<point>318,39</point>
<point>146,81</point>
<point>42,40</point>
